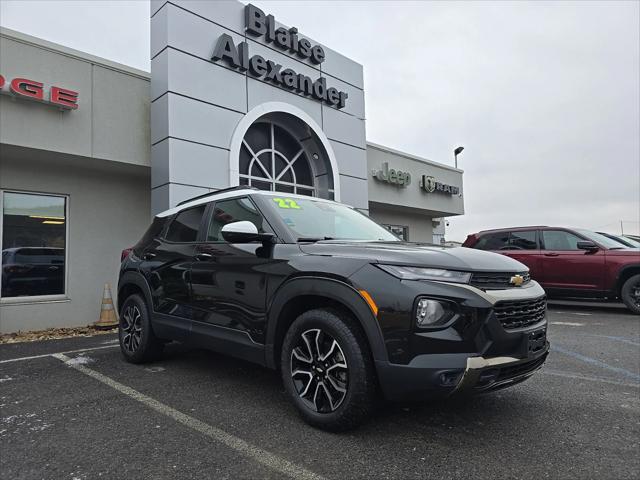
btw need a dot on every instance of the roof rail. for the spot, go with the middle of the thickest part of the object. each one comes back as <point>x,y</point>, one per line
<point>229,189</point>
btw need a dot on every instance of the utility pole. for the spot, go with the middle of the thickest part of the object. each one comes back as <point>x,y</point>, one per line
<point>621,228</point>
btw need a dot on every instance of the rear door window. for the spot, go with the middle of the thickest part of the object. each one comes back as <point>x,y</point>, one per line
<point>493,241</point>
<point>184,228</point>
<point>522,240</point>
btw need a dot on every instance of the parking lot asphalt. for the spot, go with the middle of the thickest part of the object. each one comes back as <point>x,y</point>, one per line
<point>87,414</point>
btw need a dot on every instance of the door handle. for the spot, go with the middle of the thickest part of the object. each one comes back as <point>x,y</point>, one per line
<point>204,256</point>
<point>148,256</point>
<point>551,254</point>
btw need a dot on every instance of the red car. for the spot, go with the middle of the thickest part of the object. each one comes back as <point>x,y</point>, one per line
<point>569,262</point>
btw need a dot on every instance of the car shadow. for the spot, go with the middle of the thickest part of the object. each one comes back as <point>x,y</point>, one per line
<point>260,386</point>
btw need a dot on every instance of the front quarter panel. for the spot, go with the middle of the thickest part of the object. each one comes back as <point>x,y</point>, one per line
<point>403,340</point>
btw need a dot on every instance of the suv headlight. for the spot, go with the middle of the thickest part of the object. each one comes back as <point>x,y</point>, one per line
<point>419,273</point>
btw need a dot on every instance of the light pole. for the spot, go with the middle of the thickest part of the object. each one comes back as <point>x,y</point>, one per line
<point>457,152</point>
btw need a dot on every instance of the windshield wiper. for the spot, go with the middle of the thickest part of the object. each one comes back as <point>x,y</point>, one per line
<point>314,239</point>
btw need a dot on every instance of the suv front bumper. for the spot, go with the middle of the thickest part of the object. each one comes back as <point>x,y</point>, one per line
<point>443,375</point>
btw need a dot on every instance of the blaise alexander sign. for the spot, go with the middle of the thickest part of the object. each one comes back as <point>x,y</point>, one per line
<point>260,25</point>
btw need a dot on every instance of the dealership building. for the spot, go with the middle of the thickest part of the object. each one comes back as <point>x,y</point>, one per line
<point>91,149</point>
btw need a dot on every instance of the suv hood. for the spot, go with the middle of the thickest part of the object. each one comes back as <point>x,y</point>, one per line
<point>417,255</point>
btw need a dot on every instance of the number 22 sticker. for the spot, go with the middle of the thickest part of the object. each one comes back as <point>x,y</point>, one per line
<point>286,203</point>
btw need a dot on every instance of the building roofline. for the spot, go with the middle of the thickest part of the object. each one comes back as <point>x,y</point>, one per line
<point>413,157</point>
<point>72,53</point>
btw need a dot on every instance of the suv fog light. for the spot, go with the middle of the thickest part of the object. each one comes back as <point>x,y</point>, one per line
<point>430,312</point>
<point>450,379</point>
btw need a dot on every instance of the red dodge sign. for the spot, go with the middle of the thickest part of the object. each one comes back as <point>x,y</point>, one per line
<point>30,89</point>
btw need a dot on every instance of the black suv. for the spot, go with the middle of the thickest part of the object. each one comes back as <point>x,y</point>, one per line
<point>342,307</point>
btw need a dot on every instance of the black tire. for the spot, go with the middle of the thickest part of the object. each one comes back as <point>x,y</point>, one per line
<point>138,343</point>
<point>630,294</point>
<point>331,410</point>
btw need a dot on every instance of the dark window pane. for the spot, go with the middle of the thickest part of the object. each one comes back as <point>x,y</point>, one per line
<point>258,137</point>
<point>280,165</point>
<point>33,245</point>
<point>522,241</point>
<point>400,231</point>
<point>560,240</point>
<point>244,181</point>
<point>184,227</point>
<point>245,158</point>
<point>235,210</point>
<point>261,185</point>
<point>305,191</point>
<point>303,170</point>
<point>284,188</point>
<point>285,143</point>
<point>493,241</point>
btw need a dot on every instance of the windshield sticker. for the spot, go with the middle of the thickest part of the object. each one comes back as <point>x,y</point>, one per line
<point>287,203</point>
<point>289,222</point>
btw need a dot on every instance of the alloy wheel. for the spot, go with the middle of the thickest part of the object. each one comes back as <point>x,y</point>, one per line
<point>132,327</point>
<point>319,371</point>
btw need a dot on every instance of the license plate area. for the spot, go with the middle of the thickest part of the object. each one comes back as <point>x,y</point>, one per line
<point>537,341</point>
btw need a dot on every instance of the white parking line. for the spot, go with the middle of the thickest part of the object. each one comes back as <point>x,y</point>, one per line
<point>255,453</point>
<point>20,359</point>
<point>569,324</point>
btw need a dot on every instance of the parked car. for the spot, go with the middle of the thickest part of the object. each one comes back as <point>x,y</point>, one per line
<point>341,306</point>
<point>569,262</point>
<point>626,241</point>
<point>32,271</point>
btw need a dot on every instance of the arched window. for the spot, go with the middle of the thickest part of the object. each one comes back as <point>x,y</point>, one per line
<point>273,159</point>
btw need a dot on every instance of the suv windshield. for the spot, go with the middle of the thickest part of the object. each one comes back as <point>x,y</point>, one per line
<point>313,220</point>
<point>601,239</point>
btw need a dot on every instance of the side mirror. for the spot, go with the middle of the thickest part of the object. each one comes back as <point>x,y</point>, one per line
<point>587,245</point>
<point>244,232</point>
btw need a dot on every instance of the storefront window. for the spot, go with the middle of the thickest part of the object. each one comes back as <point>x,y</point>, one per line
<point>33,244</point>
<point>401,231</point>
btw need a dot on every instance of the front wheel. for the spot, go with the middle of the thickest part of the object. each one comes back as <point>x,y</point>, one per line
<point>630,294</point>
<point>327,370</point>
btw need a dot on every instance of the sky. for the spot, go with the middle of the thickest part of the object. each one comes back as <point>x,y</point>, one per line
<point>544,96</point>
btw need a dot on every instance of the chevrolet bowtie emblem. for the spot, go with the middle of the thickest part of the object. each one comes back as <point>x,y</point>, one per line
<point>516,280</point>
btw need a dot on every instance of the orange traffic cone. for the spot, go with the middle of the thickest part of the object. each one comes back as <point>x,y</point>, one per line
<point>108,318</point>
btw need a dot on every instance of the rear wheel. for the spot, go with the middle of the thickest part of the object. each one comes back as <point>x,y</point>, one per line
<point>327,370</point>
<point>630,294</point>
<point>138,343</point>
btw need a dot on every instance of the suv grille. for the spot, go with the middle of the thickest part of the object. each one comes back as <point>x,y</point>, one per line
<point>520,313</point>
<point>499,280</point>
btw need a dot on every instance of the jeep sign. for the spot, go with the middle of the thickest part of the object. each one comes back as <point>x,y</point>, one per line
<point>390,175</point>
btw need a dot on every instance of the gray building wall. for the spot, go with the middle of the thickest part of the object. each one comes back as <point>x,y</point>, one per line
<point>112,119</point>
<point>420,225</point>
<point>97,155</point>
<point>412,197</point>
<point>108,211</point>
<point>410,205</point>
<point>197,105</point>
